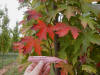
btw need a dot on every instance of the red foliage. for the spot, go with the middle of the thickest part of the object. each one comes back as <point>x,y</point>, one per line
<point>18,46</point>
<point>32,14</point>
<point>27,43</point>
<point>60,28</point>
<point>75,32</point>
<point>43,30</point>
<point>63,29</point>
<point>63,70</point>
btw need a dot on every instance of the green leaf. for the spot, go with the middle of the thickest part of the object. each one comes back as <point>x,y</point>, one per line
<point>95,39</point>
<point>86,19</point>
<point>77,44</point>
<point>89,69</point>
<point>62,54</point>
<point>87,7</point>
<point>90,37</point>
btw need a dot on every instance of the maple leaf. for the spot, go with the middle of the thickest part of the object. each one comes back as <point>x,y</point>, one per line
<point>63,29</point>
<point>69,12</point>
<point>33,14</point>
<point>43,30</point>
<point>18,46</point>
<point>59,26</point>
<point>84,24</point>
<point>65,68</point>
<point>74,32</point>
<point>37,46</point>
<point>89,69</point>
<point>28,47</point>
<point>31,42</point>
<point>27,43</point>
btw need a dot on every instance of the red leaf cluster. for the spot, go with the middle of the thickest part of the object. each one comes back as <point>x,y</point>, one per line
<point>63,70</point>
<point>32,14</point>
<point>27,43</point>
<point>43,30</point>
<point>62,29</point>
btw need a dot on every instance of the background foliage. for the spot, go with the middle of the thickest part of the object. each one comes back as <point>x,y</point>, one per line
<point>7,35</point>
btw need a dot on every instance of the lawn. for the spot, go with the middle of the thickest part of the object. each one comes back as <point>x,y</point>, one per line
<point>9,60</point>
<point>14,71</point>
<point>6,60</point>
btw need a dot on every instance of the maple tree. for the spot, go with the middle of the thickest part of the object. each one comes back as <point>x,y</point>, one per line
<point>74,36</point>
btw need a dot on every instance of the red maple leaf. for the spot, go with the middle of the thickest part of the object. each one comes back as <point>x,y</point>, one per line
<point>63,70</point>
<point>32,14</point>
<point>75,32</point>
<point>43,30</point>
<point>27,43</point>
<point>18,46</point>
<point>63,29</point>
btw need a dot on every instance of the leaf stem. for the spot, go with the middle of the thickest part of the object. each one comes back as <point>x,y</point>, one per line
<point>50,48</point>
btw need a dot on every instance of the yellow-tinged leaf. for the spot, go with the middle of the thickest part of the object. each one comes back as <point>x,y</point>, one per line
<point>65,68</point>
<point>89,68</point>
<point>84,23</point>
<point>69,12</point>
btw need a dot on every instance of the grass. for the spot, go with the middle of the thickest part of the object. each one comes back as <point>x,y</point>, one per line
<point>14,71</point>
<point>6,60</point>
